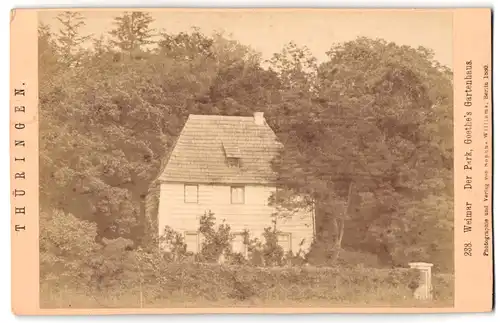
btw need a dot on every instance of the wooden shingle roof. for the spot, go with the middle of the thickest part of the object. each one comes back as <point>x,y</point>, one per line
<point>206,141</point>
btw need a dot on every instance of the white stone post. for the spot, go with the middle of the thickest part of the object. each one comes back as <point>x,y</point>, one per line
<point>424,290</point>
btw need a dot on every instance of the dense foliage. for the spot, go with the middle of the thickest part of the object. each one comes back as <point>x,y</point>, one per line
<point>211,285</point>
<point>367,138</point>
<point>115,274</point>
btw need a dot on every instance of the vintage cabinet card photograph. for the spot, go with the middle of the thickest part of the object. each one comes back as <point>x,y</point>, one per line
<point>251,161</point>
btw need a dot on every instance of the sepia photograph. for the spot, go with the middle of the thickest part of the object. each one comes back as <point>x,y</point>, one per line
<point>252,158</point>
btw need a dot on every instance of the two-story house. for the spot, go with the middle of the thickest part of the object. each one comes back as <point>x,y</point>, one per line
<point>222,164</point>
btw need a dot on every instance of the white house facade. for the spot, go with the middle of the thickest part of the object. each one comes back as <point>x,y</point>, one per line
<point>222,164</point>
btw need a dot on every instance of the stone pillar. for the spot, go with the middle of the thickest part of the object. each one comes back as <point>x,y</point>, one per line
<point>424,290</point>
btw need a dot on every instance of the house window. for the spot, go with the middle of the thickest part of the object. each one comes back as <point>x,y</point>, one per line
<point>233,162</point>
<point>285,241</point>
<point>237,194</point>
<point>190,193</point>
<point>192,241</point>
<point>238,244</point>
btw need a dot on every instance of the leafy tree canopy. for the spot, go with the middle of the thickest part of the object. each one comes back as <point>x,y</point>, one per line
<point>367,134</point>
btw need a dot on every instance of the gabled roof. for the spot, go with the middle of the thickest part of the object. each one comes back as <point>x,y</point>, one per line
<point>205,142</point>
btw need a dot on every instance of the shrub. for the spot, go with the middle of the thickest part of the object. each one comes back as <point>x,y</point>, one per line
<point>114,266</point>
<point>354,258</point>
<point>173,242</point>
<point>145,281</point>
<point>271,250</point>
<point>234,258</point>
<point>292,259</point>
<point>215,242</point>
<point>254,247</point>
<point>67,248</point>
<point>321,253</point>
<point>211,282</point>
<point>443,287</point>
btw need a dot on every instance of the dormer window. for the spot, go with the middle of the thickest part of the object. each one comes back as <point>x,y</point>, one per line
<point>232,153</point>
<point>233,162</point>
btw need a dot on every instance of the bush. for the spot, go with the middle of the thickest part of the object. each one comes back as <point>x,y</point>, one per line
<point>321,253</point>
<point>67,249</point>
<point>443,287</point>
<point>116,272</point>
<point>294,259</point>
<point>211,284</point>
<point>233,258</point>
<point>354,258</point>
<point>173,242</point>
<point>254,247</point>
<point>272,252</point>
<point>216,242</point>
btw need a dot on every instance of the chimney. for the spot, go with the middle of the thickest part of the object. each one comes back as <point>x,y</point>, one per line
<point>258,118</point>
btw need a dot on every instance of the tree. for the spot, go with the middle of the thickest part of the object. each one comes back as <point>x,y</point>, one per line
<point>49,61</point>
<point>240,85</point>
<point>69,40</point>
<point>370,127</point>
<point>98,166</point>
<point>106,128</point>
<point>296,67</point>
<point>186,46</point>
<point>132,31</point>
<point>351,124</point>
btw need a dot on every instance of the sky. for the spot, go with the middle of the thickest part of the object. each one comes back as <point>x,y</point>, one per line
<point>268,30</point>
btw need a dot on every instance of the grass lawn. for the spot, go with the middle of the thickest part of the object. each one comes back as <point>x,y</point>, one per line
<point>75,300</point>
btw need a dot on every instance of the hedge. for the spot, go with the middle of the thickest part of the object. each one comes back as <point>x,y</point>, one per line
<point>201,284</point>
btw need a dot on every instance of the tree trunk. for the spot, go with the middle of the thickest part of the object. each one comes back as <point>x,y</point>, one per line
<point>340,233</point>
<point>340,223</point>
